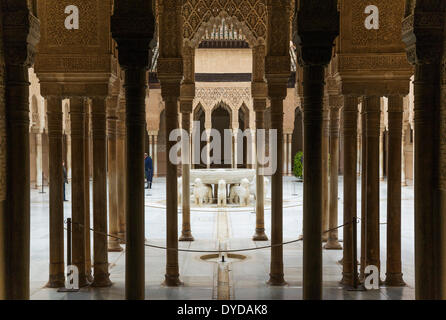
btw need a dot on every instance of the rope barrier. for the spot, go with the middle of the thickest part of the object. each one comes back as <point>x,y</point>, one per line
<point>355,220</point>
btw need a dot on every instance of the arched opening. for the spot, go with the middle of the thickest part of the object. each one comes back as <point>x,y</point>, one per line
<point>221,121</point>
<point>297,137</point>
<point>161,147</point>
<point>199,117</point>
<point>243,120</point>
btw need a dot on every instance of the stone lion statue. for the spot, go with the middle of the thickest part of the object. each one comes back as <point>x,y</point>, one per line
<point>202,193</point>
<point>240,194</point>
<point>221,194</point>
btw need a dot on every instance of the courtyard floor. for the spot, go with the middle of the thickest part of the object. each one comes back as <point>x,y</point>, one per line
<point>246,278</point>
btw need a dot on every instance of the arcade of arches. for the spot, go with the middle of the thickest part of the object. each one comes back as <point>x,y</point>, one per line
<point>364,106</point>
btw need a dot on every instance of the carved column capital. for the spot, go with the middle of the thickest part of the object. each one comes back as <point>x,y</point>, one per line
<point>423,31</point>
<point>132,26</point>
<point>21,33</point>
<point>317,26</point>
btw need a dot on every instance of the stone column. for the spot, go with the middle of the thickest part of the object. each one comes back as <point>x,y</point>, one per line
<point>155,158</point>
<point>39,160</point>
<point>57,267</point>
<point>403,155</point>
<point>77,116</point>
<point>363,189</point>
<point>315,45</point>
<point>135,93</point>
<point>121,154</point>
<point>372,115</point>
<point>313,189</point>
<point>260,107</point>
<point>277,93</point>
<point>333,243</point>
<point>69,163</point>
<point>113,243</point>
<point>186,110</point>
<point>20,36</point>
<point>394,277</point>
<point>99,122</point>
<point>87,191</point>
<point>285,154</point>
<point>170,91</point>
<point>350,123</point>
<point>325,168</point>
<point>235,146</point>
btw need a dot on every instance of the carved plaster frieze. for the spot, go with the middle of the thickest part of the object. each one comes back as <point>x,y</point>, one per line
<point>234,97</point>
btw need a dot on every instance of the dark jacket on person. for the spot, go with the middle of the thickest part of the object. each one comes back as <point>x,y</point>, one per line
<point>148,166</point>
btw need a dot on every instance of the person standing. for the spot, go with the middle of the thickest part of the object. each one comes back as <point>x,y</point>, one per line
<point>65,180</point>
<point>148,167</point>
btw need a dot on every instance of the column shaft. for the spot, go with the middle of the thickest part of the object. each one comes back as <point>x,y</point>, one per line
<point>77,115</point>
<point>363,189</point>
<point>17,219</point>
<point>259,235</point>
<point>186,234</point>
<point>325,169</point>
<point>113,243</point>
<point>350,123</point>
<point>313,86</point>
<point>394,277</point>
<point>372,108</point>
<point>276,273</point>
<point>333,243</point>
<point>135,94</point>
<point>170,97</point>
<point>87,192</point>
<point>101,275</point>
<point>57,267</point>
<point>121,158</point>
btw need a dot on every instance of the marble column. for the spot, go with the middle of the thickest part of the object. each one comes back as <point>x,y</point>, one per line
<point>372,114</point>
<point>120,158</point>
<point>403,155</point>
<point>363,189</point>
<point>325,169</point>
<point>155,153</point>
<point>313,80</point>
<point>277,92</point>
<point>54,118</point>
<point>19,40</point>
<point>77,116</point>
<point>113,218</point>
<point>99,124</point>
<point>260,107</point>
<point>350,123</point>
<point>394,276</point>
<point>186,110</point>
<point>170,92</point>
<point>333,242</point>
<point>381,140</point>
<point>39,160</point>
<point>87,222</point>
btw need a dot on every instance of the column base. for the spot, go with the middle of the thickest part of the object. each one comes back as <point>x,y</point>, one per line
<point>89,277</point>
<point>324,238</point>
<point>121,235</point>
<point>83,281</point>
<point>394,280</point>
<point>186,236</point>
<point>101,280</point>
<point>113,246</point>
<point>56,281</point>
<point>276,280</point>
<point>172,281</point>
<point>260,235</point>
<point>333,244</point>
<point>347,279</point>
